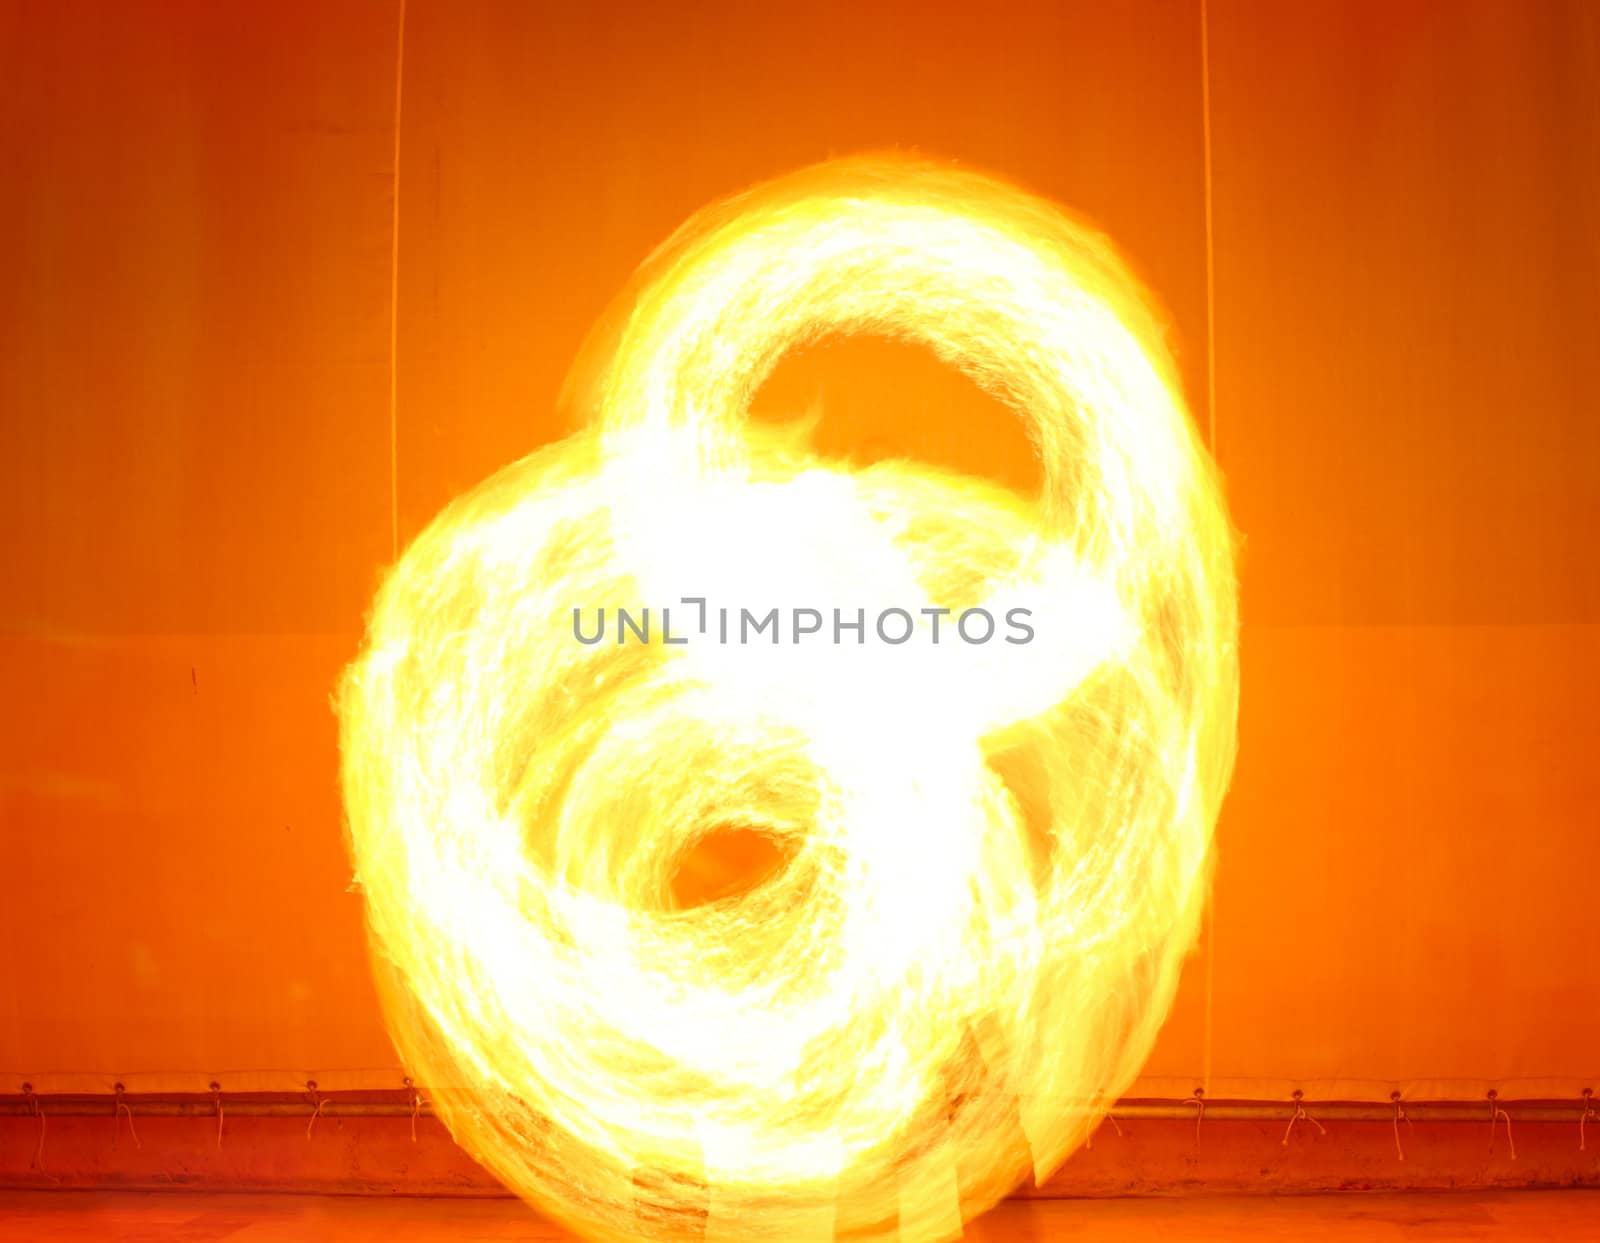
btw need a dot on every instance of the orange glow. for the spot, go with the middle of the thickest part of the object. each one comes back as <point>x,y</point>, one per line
<point>781,939</point>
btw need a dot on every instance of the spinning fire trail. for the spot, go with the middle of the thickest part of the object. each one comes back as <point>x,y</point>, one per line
<point>960,876</point>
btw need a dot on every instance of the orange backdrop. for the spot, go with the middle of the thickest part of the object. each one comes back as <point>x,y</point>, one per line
<point>200,482</point>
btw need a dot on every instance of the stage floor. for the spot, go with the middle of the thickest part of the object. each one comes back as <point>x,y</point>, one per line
<point>145,1217</point>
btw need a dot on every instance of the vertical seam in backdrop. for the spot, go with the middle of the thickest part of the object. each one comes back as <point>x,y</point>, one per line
<point>394,298</point>
<point>1211,443</point>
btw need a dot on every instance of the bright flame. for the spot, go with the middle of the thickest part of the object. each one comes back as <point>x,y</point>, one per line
<point>777,941</point>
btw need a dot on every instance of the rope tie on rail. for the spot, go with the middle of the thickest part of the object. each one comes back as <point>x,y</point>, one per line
<point>1198,1100</point>
<point>318,1100</point>
<point>1088,1142</point>
<point>1399,1117</point>
<point>1495,1114</point>
<point>1588,1112</point>
<point>1299,1115</point>
<point>216,1099</point>
<point>38,1112</point>
<point>116,1115</point>
<point>416,1106</point>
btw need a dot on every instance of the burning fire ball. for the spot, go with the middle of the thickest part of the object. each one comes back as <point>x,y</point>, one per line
<point>693,937</point>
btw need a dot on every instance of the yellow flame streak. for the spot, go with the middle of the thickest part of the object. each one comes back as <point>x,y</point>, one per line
<point>982,864</point>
